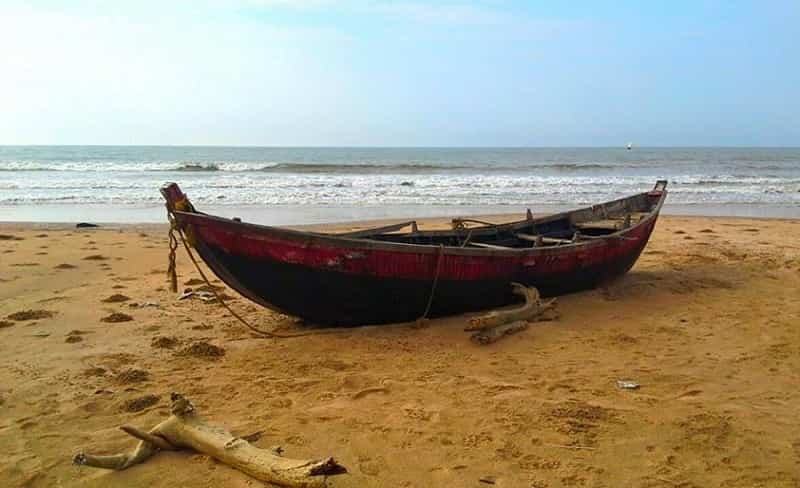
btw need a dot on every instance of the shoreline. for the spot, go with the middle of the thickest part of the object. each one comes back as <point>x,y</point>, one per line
<point>303,216</point>
<point>435,222</point>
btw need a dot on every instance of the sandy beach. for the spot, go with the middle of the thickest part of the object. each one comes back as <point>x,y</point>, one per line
<point>707,322</point>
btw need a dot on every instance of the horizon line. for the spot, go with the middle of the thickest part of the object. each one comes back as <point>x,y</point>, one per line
<point>313,146</point>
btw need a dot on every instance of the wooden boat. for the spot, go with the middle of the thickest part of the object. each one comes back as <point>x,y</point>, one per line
<point>383,275</point>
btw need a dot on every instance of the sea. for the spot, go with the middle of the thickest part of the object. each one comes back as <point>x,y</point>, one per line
<point>305,185</point>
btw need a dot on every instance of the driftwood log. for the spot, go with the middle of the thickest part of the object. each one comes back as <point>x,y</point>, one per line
<point>185,429</point>
<point>499,323</point>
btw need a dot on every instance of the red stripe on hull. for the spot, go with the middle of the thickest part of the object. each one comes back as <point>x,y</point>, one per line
<point>359,259</point>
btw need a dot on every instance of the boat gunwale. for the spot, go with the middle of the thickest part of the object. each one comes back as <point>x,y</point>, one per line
<point>333,240</point>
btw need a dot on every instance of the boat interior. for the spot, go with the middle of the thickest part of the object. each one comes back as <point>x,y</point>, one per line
<point>561,229</point>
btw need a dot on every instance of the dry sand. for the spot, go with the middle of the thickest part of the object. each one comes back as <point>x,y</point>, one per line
<point>708,322</point>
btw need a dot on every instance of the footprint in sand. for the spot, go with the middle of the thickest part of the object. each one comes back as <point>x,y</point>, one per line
<point>23,315</point>
<point>202,349</point>
<point>65,266</point>
<point>5,323</point>
<point>132,375</point>
<point>95,257</point>
<point>71,339</point>
<point>116,317</point>
<point>10,237</point>
<point>115,298</point>
<point>95,371</point>
<point>164,342</point>
<point>140,403</point>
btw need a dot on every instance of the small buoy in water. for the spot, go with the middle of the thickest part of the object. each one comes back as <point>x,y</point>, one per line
<point>629,146</point>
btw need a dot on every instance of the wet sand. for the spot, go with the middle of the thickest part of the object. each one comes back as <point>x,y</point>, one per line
<point>708,322</point>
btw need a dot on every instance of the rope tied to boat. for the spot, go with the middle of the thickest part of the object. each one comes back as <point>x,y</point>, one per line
<point>181,205</point>
<point>173,276</point>
<point>172,273</point>
<point>435,282</point>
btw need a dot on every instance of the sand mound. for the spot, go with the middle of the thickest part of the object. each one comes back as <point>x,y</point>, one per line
<point>5,323</point>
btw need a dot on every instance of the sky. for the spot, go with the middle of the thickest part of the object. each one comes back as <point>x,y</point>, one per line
<point>373,73</point>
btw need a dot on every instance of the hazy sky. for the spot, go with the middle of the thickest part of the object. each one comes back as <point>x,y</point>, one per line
<point>490,73</point>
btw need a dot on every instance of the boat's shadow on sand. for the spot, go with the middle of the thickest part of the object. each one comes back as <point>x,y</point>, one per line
<point>652,283</point>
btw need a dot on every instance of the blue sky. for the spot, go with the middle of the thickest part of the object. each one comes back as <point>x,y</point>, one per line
<point>371,73</point>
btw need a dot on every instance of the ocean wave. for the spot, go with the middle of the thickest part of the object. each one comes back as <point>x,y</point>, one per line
<point>196,167</point>
<point>310,168</point>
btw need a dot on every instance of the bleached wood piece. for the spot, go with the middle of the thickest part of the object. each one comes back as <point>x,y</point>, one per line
<point>186,429</point>
<point>494,334</point>
<point>532,308</point>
